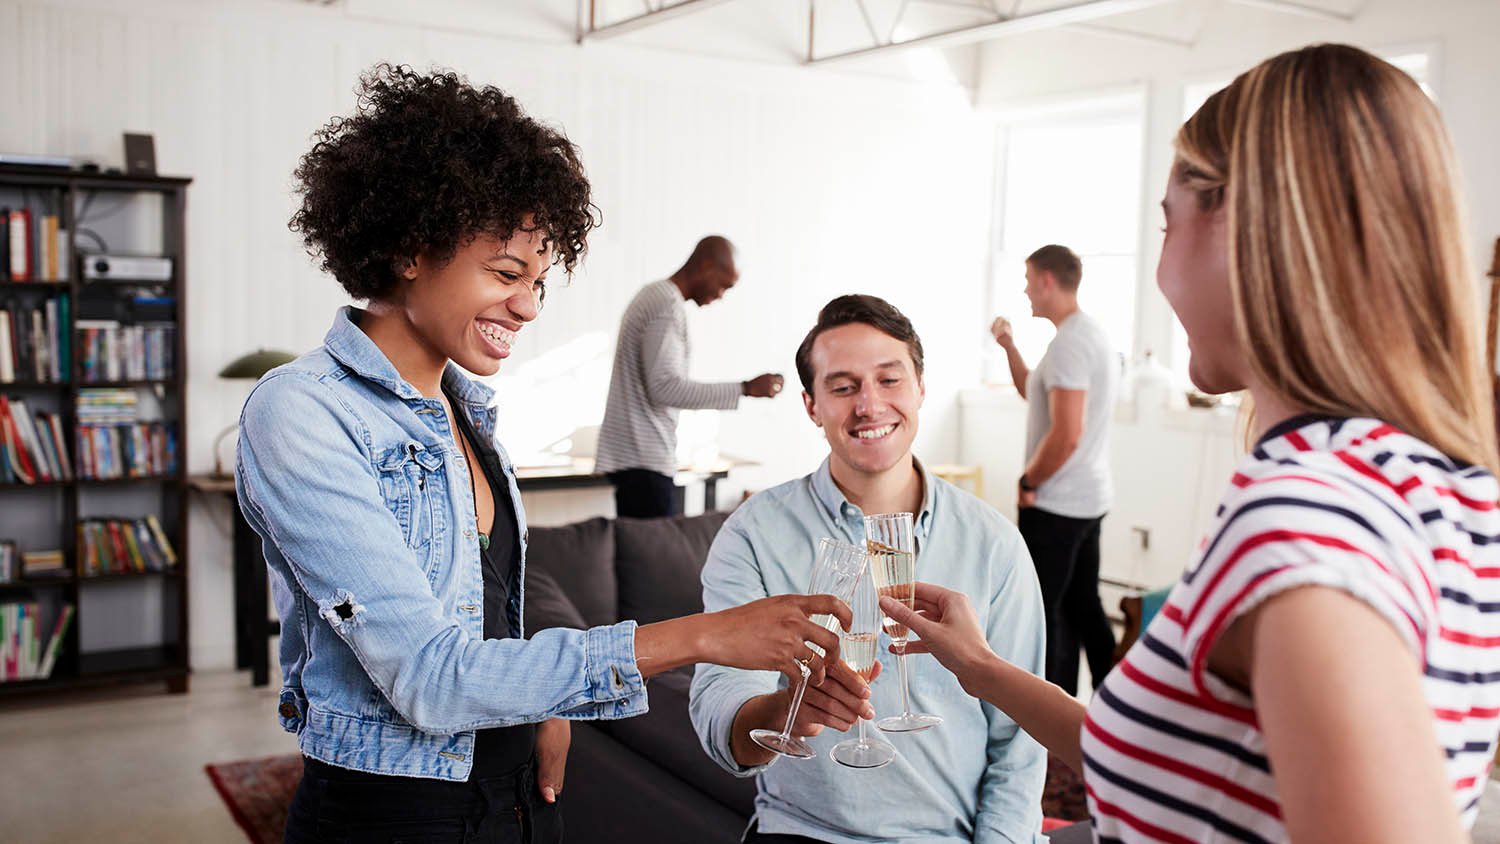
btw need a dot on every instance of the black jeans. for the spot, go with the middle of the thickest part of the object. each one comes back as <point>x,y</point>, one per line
<point>1066,554</point>
<point>644,494</point>
<point>339,806</point>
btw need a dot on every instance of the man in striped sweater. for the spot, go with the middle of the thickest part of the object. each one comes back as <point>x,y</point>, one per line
<point>650,384</point>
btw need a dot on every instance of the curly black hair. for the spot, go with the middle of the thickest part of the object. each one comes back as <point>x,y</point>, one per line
<point>427,162</point>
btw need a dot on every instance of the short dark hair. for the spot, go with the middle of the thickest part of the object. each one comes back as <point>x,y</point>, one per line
<point>424,164</point>
<point>865,310</point>
<point>1062,262</point>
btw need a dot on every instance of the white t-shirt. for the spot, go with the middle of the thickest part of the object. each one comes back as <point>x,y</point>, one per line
<point>1079,358</point>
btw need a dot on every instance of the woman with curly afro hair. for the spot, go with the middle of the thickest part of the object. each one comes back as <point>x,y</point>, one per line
<point>388,509</point>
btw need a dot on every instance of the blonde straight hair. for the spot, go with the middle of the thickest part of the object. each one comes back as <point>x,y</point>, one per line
<point>1353,291</point>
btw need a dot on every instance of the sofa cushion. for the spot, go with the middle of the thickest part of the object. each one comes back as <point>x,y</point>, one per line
<point>614,794</point>
<point>658,563</point>
<point>547,605</point>
<point>665,735</point>
<point>581,559</point>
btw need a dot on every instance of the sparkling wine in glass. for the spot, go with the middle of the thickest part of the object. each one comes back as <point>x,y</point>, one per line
<point>859,648</point>
<point>892,545</point>
<point>836,571</point>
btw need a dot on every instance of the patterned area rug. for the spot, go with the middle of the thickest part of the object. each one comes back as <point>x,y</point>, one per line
<point>258,792</point>
<point>1063,797</point>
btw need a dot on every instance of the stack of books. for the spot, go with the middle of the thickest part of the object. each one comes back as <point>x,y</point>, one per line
<point>32,446</point>
<point>123,546</point>
<point>113,443</point>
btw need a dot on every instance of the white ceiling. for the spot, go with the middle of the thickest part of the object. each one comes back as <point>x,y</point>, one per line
<point>777,31</point>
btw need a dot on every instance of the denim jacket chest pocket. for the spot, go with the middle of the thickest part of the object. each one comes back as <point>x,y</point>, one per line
<point>412,483</point>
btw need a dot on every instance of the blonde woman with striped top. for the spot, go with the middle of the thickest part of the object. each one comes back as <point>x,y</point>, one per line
<point>1327,668</point>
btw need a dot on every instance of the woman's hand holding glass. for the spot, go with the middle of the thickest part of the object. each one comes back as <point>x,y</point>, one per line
<point>949,630</point>
<point>773,634</point>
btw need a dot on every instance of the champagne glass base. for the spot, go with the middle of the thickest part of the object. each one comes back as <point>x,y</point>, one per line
<point>779,744</point>
<point>908,723</point>
<point>863,753</point>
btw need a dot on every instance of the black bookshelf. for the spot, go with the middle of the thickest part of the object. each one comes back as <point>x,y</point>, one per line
<point>163,496</point>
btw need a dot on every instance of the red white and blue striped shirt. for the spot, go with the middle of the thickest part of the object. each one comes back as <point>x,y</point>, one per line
<point>1173,754</point>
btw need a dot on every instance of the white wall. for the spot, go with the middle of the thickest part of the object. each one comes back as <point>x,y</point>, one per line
<point>828,183</point>
<point>1170,466</point>
<point>1229,38</point>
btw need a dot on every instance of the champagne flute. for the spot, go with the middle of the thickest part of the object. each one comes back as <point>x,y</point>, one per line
<point>835,572</point>
<point>893,557</point>
<point>859,648</point>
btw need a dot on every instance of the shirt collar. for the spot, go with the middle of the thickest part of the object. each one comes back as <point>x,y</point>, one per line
<point>354,349</point>
<point>840,508</point>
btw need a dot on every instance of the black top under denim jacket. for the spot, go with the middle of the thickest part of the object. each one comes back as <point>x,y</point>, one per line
<point>499,750</point>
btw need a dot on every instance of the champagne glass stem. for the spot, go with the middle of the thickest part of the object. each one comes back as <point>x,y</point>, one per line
<point>862,740</point>
<point>791,713</point>
<point>901,669</point>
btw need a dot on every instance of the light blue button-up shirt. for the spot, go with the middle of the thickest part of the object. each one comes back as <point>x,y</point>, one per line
<point>976,777</point>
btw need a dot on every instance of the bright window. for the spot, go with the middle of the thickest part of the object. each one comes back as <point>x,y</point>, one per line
<point>1071,176</point>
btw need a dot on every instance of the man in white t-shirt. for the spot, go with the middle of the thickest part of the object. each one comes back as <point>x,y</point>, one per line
<point>1066,489</point>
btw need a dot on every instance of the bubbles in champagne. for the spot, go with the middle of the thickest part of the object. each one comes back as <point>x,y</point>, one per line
<point>859,652</point>
<point>894,573</point>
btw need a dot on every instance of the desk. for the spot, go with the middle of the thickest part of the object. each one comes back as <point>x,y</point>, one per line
<point>578,473</point>
<point>253,625</point>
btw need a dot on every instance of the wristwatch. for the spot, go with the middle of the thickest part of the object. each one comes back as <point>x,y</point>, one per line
<point>1026,486</point>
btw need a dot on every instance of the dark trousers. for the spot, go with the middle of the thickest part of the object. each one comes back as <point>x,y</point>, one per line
<point>338,806</point>
<point>1066,554</point>
<point>644,494</point>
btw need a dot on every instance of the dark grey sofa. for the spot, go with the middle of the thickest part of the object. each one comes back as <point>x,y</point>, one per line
<point>643,779</point>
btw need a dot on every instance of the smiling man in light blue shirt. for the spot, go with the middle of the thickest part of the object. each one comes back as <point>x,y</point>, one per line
<point>976,777</point>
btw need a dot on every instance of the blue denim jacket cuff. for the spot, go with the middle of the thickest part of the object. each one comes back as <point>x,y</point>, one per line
<point>612,673</point>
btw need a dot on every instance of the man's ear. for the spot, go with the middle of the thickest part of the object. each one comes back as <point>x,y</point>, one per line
<point>811,408</point>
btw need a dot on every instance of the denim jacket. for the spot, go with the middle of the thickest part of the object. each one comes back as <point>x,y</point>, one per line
<point>362,501</point>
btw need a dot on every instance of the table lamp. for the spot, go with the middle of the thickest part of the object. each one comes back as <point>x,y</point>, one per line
<point>247,367</point>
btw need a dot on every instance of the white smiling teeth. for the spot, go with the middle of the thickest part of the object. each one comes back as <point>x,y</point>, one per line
<point>497,334</point>
<point>875,433</point>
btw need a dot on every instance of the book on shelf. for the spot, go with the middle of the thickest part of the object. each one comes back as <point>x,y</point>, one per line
<point>10,561</point>
<point>123,546</point>
<point>23,656</point>
<point>113,351</point>
<point>107,406</point>
<point>43,564</point>
<point>37,246</point>
<point>34,341</point>
<point>32,446</point>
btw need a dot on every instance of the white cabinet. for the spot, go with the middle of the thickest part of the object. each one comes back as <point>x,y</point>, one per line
<point>1170,469</point>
